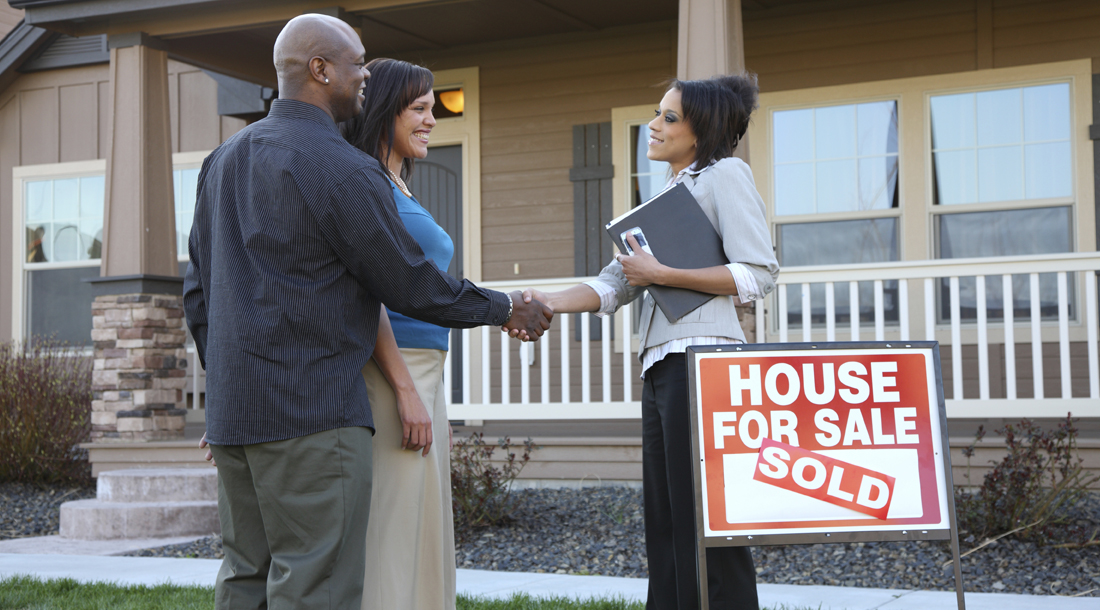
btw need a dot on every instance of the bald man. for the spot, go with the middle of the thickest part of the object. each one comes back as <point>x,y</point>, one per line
<point>296,241</point>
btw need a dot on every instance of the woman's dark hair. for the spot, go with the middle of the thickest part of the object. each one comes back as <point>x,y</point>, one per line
<point>392,87</point>
<point>718,111</point>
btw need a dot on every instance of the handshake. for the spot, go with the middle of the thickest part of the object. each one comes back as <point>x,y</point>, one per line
<point>530,316</point>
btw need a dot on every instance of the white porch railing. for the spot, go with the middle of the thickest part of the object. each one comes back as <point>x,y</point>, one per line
<point>569,376</point>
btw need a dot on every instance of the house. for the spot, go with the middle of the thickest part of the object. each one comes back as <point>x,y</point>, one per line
<point>929,169</point>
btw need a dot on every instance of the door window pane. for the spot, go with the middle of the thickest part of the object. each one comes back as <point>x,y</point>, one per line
<point>836,158</point>
<point>64,219</point>
<point>1003,145</point>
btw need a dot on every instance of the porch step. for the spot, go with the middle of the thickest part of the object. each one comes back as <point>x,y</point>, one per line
<point>146,503</point>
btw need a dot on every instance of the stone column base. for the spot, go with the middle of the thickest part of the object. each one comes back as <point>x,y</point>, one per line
<point>140,368</point>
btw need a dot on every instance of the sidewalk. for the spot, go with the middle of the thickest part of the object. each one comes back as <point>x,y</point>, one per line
<point>155,570</point>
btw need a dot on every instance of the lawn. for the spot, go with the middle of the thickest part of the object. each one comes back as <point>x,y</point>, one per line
<point>26,593</point>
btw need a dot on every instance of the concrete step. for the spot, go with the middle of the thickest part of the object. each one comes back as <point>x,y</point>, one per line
<point>158,485</point>
<point>100,520</point>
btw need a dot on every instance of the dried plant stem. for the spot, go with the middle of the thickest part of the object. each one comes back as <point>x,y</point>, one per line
<point>991,541</point>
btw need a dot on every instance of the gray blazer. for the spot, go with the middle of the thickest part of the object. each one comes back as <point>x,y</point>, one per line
<point>727,193</point>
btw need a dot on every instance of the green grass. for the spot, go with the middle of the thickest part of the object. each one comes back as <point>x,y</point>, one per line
<point>28,593</point>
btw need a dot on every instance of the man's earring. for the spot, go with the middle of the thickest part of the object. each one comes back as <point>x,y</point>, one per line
<point>326,81</point>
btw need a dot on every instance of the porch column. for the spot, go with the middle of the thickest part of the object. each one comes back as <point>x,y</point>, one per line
<point>137,316</point>
<point>711,42</point>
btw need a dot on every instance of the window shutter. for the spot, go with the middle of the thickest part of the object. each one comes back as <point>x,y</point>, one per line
<point>591,177</point>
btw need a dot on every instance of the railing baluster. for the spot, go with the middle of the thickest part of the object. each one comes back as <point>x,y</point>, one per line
<point>466,381</point>
<point>505,370</point>
<point>929,309</point>
<point>807,325</point>
<point>486,367</point>
<point>447,381</point>
<point>1010,335</point>
<point>782,314</point>
<point>565,381</point>
<point>544,366</point>
<point>903,309</point>
<point>1036,338</point>
<point>761,327</point>
<point>586,358</point>
<point>1063,335</point>
<point>853,309</point>
<point>628,353</point>
<point>983,340</point>
<point>830,312</point>
<point>525,373</point>
<point>956,342</point>
<point>605,326</point>
<point>880,318</point>
<point>1090,308</point>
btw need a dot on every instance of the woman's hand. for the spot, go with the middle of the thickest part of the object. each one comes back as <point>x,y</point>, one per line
<point>537,295</point>
<point>416,425</point>
<point>640,268</point>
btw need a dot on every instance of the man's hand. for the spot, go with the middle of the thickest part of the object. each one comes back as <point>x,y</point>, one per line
<point>529,318</point>
<point>209,454</point>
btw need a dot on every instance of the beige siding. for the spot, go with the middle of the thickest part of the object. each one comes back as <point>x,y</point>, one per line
<point>835,42</point>
<point>532,94</point>
<point>61,115</point>
<point>9,18</point>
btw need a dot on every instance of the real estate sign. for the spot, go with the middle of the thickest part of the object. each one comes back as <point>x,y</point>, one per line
<point>826,442</point>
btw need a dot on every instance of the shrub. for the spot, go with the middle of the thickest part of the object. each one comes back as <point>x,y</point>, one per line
<point>1033,489</point>
<point>481,491</point>
<point>45,400</point>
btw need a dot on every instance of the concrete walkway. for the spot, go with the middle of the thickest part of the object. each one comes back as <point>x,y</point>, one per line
<point>151,571</point>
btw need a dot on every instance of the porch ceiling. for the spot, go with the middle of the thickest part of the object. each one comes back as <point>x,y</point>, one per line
<point>236,36</point>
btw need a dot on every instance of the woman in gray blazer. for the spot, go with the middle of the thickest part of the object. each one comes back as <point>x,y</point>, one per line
<point>696,130</point>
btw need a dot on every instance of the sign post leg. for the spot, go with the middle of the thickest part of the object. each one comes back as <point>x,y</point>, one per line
<point>958,567</point>
<point>701,564</point>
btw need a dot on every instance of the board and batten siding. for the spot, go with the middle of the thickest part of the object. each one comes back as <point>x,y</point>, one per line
<point>532,94</point>
<point>57,116</point>
<point>835,42</point>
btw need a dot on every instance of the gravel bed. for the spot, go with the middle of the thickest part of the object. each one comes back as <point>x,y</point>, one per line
<point>31,510</point>
<point>601,531</point>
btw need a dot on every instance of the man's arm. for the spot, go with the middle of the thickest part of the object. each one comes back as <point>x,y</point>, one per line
<point>361,223</point>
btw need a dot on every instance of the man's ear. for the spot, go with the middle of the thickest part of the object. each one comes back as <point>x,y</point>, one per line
<point>318,69</point>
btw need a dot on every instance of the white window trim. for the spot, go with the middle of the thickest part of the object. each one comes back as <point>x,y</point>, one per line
<point>54,171</point>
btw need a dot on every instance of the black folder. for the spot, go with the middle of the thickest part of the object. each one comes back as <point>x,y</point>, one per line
<point>679,235</point>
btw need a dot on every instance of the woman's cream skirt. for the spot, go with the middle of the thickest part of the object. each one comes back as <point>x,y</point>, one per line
<point>410,535</point>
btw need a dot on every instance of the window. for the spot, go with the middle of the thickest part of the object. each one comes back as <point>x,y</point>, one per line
<point>1002,185</point>
<point>59,232</point>
<point>836,197</point>
<point>647,178</point>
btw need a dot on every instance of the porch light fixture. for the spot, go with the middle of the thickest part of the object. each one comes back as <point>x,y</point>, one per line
<point>453,100</point>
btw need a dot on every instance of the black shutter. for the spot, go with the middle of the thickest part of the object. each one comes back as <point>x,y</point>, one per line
<point>591,177</point>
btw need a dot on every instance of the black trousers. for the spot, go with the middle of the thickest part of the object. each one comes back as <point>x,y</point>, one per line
<point>670,505</point>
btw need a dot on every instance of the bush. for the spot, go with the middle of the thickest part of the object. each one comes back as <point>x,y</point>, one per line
<point>45,400</point>
<point>1034,488</point>
<point>481,492</point>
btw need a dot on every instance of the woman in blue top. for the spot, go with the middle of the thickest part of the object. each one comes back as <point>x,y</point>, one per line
<point>410,535</point>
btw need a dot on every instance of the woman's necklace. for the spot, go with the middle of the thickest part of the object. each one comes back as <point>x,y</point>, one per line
<point>400,183</point>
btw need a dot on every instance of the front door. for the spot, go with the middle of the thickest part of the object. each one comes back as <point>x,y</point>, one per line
<point>437,185</point>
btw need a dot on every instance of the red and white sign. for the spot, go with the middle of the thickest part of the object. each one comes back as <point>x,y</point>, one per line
<point>806,441</point>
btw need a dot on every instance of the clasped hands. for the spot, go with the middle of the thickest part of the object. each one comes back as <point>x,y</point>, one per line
<point>640,269</point>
